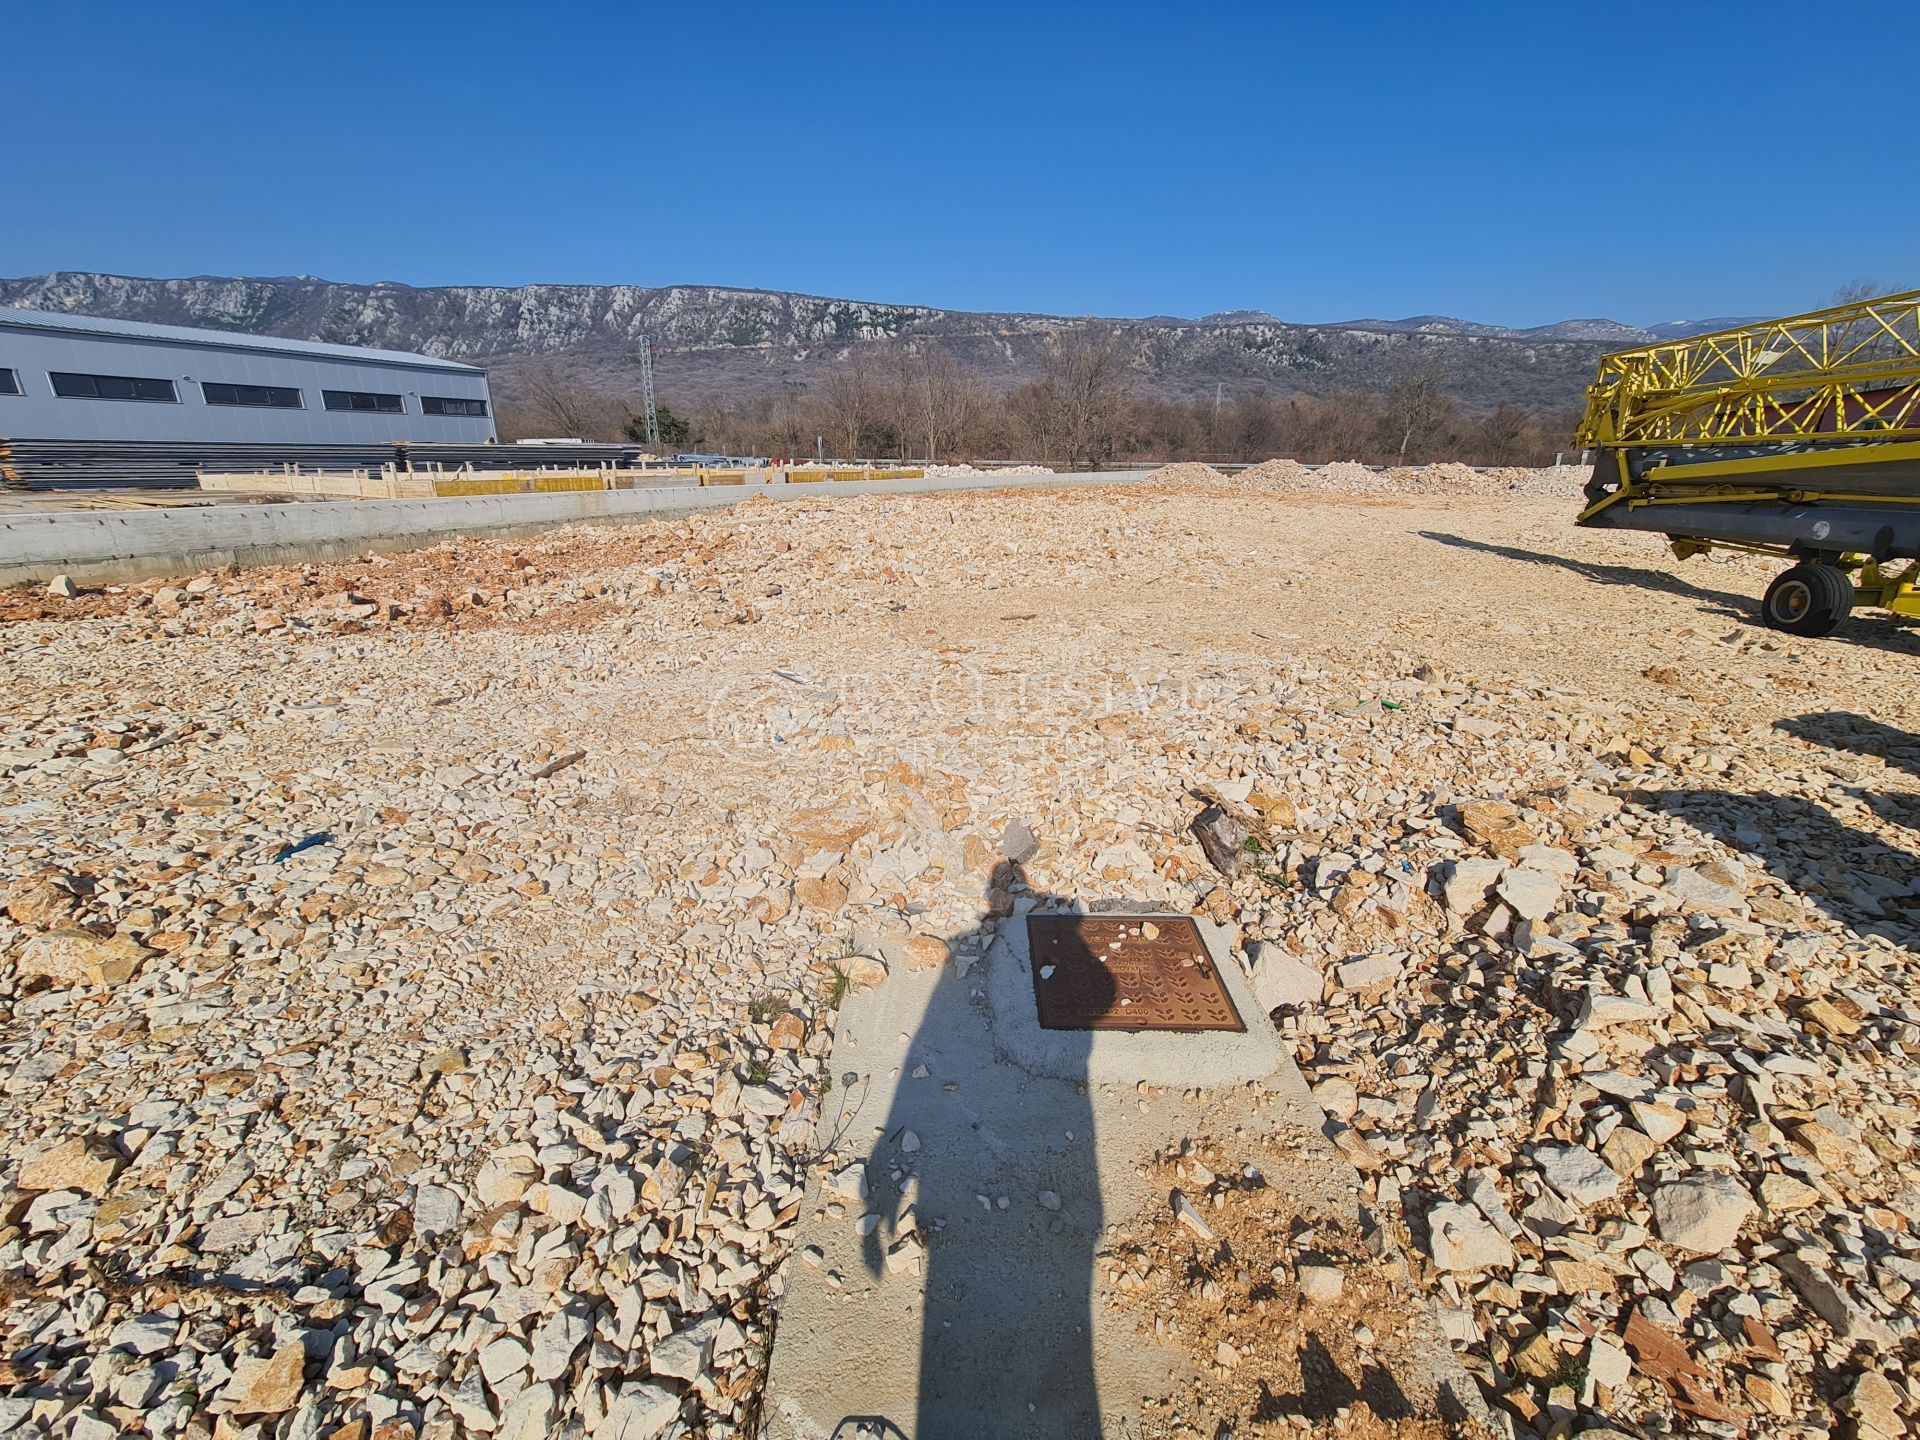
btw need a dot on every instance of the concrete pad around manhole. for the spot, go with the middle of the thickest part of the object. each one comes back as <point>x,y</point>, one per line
<point>965,1296</point>
<point>1195,1059</point>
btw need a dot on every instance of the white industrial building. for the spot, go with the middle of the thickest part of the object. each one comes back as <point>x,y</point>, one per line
<point>76,377</point>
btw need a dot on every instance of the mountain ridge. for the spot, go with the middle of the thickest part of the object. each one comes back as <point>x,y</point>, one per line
<point>715,342</point>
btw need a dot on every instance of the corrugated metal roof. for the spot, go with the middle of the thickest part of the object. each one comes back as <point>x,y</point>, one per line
<point>231,339</point>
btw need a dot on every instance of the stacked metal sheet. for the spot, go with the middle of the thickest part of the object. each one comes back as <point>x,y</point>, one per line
<point>585,455</point>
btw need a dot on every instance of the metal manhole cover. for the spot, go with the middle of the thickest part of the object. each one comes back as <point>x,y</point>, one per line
<point>1125,972</point>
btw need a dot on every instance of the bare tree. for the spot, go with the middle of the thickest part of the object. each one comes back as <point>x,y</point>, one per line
<point>1418,408</point>
<point>791,436</point>
<point>1079,406</point>
<point>1863,339</point>
<point>1035,417</point>
<point>1341,427</point>
<point>938,404</point>
<point>1855,291</point>
<point>546,400</point>
<point>1163,429</point>
<point>1253,425</point>
<point>1085,369</point>
<point>1500,437</point>
<point>850,407</point>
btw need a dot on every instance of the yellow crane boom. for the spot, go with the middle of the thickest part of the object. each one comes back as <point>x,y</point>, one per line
<point>1798,437</point>
<point>1843,373</point>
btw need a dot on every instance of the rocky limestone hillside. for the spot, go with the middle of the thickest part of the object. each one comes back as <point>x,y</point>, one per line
<point>719,343</point>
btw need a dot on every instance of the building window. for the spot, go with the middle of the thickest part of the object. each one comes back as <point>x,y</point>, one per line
<point>110,387</point>
<point>278,397</point>
<point>9,383</point>
<point>448,405</point>
<point>362,400</point>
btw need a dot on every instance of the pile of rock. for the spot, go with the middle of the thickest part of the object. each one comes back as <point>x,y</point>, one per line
<point>965,471</point>
<point>1187,472</point>
<point>1563,482</point>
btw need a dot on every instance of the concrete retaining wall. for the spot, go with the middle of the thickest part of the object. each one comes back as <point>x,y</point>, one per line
<point>98,547</point>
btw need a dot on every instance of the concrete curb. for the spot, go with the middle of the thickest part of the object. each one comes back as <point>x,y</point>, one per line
<point>114,547</point>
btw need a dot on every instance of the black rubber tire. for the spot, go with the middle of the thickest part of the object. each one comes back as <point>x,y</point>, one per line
<point>1809,600</point>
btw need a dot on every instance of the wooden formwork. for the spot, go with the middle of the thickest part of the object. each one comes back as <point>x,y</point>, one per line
<point>383,484</point>
<point>392,483</point>
<point>815,475</point>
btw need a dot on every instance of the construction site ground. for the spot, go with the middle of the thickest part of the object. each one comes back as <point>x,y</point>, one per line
<point>1017,1187</point>
<point>423,974</point>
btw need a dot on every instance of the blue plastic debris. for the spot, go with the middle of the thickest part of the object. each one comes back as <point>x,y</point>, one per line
<point>287,852</point>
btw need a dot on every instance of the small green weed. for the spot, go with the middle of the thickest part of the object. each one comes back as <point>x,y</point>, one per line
<point>1570,1371</point>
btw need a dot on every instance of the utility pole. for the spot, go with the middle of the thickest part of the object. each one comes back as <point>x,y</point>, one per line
<point>646,392</point>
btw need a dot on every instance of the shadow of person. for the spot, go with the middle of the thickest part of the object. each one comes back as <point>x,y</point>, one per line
<point>995,1210</point>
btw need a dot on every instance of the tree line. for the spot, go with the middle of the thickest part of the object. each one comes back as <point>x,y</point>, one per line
<point>1086,408</point>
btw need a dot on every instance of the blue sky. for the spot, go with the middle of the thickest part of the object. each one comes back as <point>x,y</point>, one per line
<point>1515,162</point>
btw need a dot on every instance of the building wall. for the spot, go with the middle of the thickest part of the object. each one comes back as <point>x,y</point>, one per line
<point>38,414</point>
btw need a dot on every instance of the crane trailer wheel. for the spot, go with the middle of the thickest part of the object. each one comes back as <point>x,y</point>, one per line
<point>1809,600</point>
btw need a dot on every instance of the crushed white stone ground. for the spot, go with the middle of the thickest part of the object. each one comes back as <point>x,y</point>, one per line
<point>420,972</point>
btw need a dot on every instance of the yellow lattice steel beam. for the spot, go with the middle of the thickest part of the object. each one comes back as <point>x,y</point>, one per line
<point>1847,373</point>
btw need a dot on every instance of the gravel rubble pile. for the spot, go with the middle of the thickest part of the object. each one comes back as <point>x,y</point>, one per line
<point>962,471</point>
<point>421,972</point>
<point>1557,482</point>
<point>1187,472</point>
